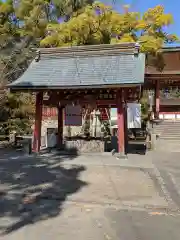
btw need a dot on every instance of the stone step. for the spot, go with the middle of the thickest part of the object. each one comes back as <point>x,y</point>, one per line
<point>170,138</point>
<point>168,126</point>
<point>162,124</point>
<point>166,123</point>
<point>169,135</point>
<point>172,126</point>
<point>169,131</point>
<point>168,145</point>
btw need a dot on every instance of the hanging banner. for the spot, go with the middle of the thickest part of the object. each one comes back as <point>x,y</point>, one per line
<point>134,115</point>
<point>73,115</point>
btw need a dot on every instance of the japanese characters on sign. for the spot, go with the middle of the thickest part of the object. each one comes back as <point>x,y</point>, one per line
<point>107,96</point>
<point>131,93</point>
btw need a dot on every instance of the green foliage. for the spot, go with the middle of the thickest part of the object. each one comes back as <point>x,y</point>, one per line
<point>85,22</point>
<point>16,113</point>
<point>144,106</point>
<point>7,29</point>
<point>68,8</point>
<point>15,56</point>
<point>16,42</point>
<point>34,16</point>
<point>99,24</point>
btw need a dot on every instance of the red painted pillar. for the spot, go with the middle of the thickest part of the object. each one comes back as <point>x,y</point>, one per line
<point>120,121</point>
<point>157,99</point>
<point>60,127</point>
<point>125,122</point>
<point>38,122</point>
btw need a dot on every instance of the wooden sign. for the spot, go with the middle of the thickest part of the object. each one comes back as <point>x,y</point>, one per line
<point>131,93</point>
<point>106,96</point>
<point>73,115</point>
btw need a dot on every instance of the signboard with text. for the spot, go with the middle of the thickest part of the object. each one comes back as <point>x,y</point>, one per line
<point>134,115</point>
<point>73,115</point>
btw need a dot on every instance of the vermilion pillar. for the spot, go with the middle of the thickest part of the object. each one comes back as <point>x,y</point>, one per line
<point>38,122</point>
<point>60,127</point>
<point>125,123</point>
<point>120,121</point>
<point>157,99</point>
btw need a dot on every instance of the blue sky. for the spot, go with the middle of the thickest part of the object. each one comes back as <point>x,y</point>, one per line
<point>171,6</point>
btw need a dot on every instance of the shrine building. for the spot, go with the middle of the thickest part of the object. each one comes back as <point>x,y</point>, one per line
<point>97,75</point>
<point>164,80</point>
<point>163,83</point>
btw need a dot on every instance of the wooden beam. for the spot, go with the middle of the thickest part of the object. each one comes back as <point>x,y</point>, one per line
<point>157,99</point>
<point>120,121</point>
<point>60,127</point>
<point>38,122</point>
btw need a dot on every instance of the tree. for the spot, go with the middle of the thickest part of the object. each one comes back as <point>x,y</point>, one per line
<point>34,16</point>
<point>22,27</point>
<point>99,24</point>
<point>14,60</point>
<point>16,113</point>
<point>69,7</point>
<point>36,22</point>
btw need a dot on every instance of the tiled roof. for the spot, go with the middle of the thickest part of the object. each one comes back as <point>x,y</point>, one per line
<point>170,62</point>
<point>84,66</point>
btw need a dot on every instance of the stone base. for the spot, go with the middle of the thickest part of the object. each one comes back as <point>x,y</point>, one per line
<point>85,146</point>
<point>121,156</point>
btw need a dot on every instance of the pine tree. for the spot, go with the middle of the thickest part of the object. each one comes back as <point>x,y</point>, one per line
<point>14,60</point>
<point>16,113</point>
<point>22,27</point>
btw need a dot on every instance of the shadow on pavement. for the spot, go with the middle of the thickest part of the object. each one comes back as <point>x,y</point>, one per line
<point>34,188</point>
<point>136,147</point>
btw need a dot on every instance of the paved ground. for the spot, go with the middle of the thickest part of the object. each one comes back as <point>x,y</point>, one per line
<point>90,197</point>
<point>168,165</point>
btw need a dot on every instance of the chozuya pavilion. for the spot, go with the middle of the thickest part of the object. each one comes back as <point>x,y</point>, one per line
<point>100,75</point>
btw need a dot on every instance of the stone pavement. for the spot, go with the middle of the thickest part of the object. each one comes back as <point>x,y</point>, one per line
<point>87,222</point>
<point>168,145</point>
<point>85,197</point>
<point>168,165</point>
